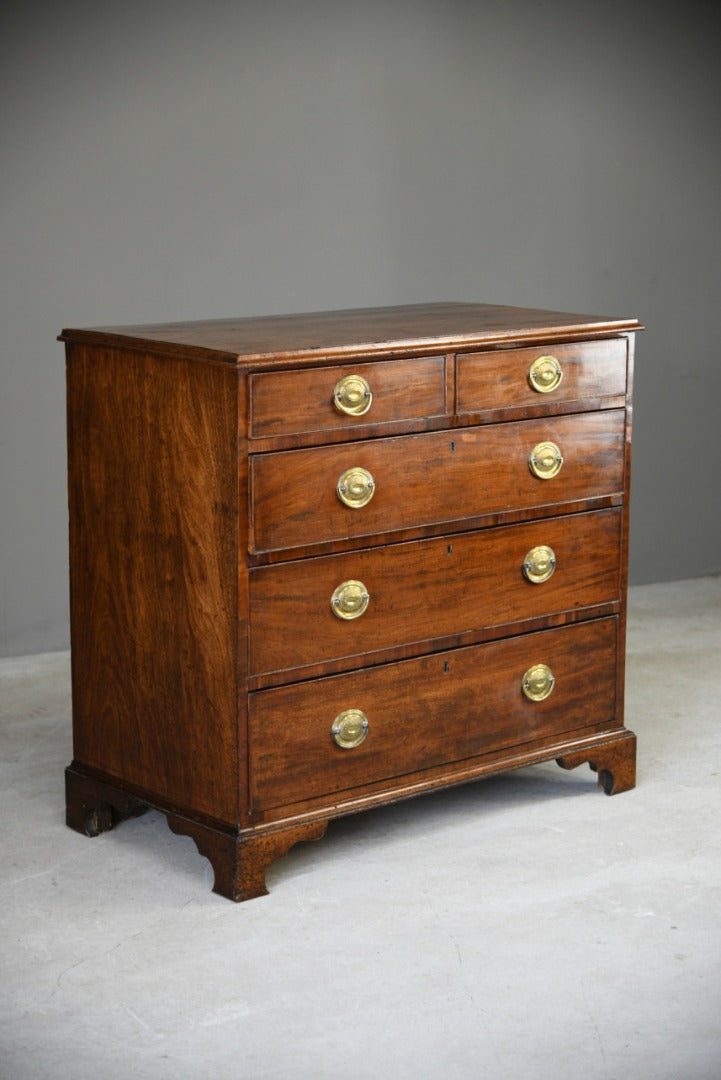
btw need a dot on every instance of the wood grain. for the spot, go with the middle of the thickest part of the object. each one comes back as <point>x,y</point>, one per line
<point>437,709</point>
<point>206,538</point>
<point>154,519</point>
<point>497,380</point>
<point>428,591</point>
<point>433,477</point>
<point>614,761</point>
<point>288,402</point>
<point>275,340</point>
<point>241,861</point>
<point>621,684</point>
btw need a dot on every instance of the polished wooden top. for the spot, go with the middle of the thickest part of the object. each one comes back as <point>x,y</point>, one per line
<point>389,331</point>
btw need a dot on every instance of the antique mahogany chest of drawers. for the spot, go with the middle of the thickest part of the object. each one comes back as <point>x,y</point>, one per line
<point>323,562</point>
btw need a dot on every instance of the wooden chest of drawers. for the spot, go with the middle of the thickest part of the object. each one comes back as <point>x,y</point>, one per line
<point>322,562</point>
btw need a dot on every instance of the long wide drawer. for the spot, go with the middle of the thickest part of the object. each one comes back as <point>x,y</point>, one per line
<point>302,497</point>
<point>439,709</point>
<point>353,605</point>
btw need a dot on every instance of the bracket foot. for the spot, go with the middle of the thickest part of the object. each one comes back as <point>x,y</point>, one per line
<point>93,807</point>
<point>240,862</point>
<point>613,760</point>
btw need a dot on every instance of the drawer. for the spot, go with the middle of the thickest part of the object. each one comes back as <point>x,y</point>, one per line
<point>443,708</point>
<point>428,589</point>
<point>580,376</point>
<point>341,398</point>
<point>441,476</point>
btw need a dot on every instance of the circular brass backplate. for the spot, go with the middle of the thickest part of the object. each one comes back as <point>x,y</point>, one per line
<point>349,600</point>
<point>538,682</point>
<point>545,374</point>
<point>350,728</point>
<point>546,460</point>
<point>355,487</point>
<point>539,564</point>
<point>352,395</point>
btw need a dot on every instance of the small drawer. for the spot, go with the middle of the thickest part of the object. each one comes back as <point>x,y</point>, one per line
<point>336,734</point>
<point>333,398</point>
<point>359,489</point>
<point>355,605</point>
<point>581,375</point>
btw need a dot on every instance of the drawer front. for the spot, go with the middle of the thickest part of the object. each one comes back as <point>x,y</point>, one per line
<point>579,375</point>
<point>429,589</point>
<point>443,708</point>
<point>342,398</point>
<point>415,480</point>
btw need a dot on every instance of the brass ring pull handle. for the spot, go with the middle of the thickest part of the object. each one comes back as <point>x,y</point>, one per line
<point>538,682</point>
<point>349,728</point>
<point>355,487</point>
<point>546,460</point>
<point>546,374</point>
<point>539,564</point>
<point>352,395</point>
<point>349,600</point>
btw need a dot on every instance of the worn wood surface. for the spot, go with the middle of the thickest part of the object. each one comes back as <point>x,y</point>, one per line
<point>241,861</point>
<point>625,529</point>
<point>275,340</point>
<point>206,538</point>
<point>493,381</point>
<point>286,402</point>
<point>434,477</point>
<point>154,520</point>
<point>427,592</point>
<point>436,709</point>
<point>614,760</point>
<point>93,807</point>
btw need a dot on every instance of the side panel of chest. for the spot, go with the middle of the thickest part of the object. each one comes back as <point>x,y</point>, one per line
<point>154,521</point>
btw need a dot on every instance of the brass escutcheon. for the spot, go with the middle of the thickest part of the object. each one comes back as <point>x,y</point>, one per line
<point>352,395</point>
<point>545,460</point>
<point>355,487</point>
<point>350,728</point>
<point>349,600</point>
<point>539,564</point>
<point>538,682</point>
<point>545,374</point>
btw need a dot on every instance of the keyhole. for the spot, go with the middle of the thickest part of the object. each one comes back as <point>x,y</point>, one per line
<point>453,448</point>
<point>446,666</point>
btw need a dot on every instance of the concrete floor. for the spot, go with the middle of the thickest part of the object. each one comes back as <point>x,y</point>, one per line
<point>521,927</point>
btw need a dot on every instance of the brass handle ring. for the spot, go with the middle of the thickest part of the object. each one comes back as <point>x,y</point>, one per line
<point>546,460</point>
<point>539,564</point>
<point>538,682</point>
<point>350,728</point>
<point>349,600</point>
<point>546,374</point>
<point>352,395</point>
<point>355,487</point>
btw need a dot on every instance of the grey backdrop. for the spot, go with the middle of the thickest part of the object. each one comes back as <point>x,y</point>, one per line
<point>188,160</point>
